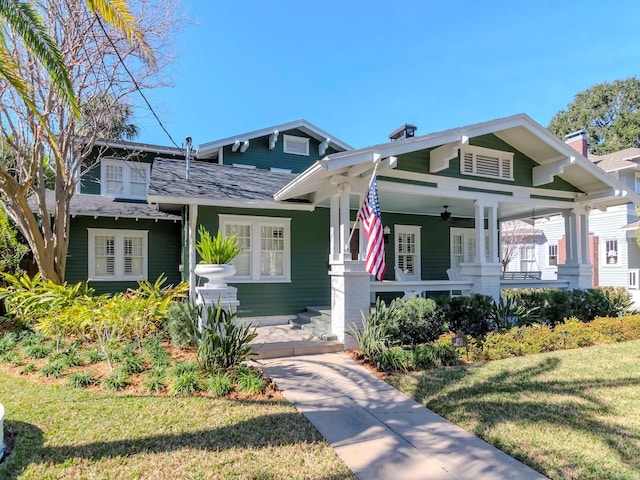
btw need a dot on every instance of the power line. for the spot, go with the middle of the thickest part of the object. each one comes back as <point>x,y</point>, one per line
<point>117,52</point>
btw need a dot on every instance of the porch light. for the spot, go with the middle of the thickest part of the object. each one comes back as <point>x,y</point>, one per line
<point>386,231</point>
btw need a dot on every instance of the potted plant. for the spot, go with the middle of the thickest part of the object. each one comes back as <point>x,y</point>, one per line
<point>216,253</point>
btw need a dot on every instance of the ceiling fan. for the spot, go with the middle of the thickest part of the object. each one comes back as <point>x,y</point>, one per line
<point>446,216</point>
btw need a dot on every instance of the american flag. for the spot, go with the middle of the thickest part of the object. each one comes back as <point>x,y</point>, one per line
<point>372,226</point>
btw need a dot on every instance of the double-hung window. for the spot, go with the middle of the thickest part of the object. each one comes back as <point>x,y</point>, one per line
<point>553,255</point>
<point>611,252</point>
<point>117,254</point>
<point>124,179</point>
<point>266,243</point>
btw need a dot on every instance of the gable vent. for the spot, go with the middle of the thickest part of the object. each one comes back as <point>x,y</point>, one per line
<point>485,162</point>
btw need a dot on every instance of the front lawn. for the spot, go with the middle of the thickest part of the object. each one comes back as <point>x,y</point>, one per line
<point>572,414</point>
<point>70,433</point>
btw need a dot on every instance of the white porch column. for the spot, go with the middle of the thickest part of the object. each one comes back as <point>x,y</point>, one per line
<point>345,221</point>
<point>494,256</point>
<point>334,227</point>
<point>191,248</point>
<point>577,269</point>
<point>584,238</point>
<point>362,237</point>
<point>479,230</point>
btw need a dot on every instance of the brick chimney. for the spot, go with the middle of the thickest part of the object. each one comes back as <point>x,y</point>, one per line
<point>578,141</point>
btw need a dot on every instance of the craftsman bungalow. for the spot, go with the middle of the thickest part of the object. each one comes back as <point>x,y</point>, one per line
<point>290,193</point>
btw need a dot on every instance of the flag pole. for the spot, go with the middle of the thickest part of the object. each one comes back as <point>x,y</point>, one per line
<point>375,169</point>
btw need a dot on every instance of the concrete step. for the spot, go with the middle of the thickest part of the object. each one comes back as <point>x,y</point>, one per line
<point>297,348</point>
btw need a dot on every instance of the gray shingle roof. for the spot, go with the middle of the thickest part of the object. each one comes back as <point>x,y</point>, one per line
<point>617,160</point>
<point>213,181</point>
<point>98,206</point>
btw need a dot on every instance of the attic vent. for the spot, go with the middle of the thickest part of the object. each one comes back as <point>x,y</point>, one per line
<point>485,162</point>
<point>296,145</point>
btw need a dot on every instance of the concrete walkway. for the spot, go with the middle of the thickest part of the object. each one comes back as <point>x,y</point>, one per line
<point>381,433</point>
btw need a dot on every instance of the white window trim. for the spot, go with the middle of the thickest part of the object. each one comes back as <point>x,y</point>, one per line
<point>256,223</point>
<point>604,262</point>
<point>287,138</point>
<point>126,177</point>
<point>489,152</point>
<point>119,254</point>
<point>414,229</point>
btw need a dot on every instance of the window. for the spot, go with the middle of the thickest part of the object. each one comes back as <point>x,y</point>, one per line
<point>638,182</point>
<point>485,162</point>
<point>123,179</point>
<point>296,145</point>
<point>408,250</point>
<point>553,255</point>
<point>611,252</point>
<point>266,247</point>
<point>527,258</point>
<point>117,254</point>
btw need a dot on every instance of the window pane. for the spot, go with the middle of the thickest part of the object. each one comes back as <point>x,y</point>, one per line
<point>272,251</point>
<point>104,255</point>
<point>114,182</point>
<point>133,256</point>
<point>138,179</point>
<point>243,236</point>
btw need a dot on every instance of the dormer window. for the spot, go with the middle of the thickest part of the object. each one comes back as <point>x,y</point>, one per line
<point>120,179</point>
<point>486,162</point>
<point>296,145</point>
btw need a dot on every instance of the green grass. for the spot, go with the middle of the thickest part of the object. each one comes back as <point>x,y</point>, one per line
<point>69,433</point>
<point>568,414</point>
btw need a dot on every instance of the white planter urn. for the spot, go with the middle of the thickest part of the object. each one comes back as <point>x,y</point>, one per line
<point>215,274</point>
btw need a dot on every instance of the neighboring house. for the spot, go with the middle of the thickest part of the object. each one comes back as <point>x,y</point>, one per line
<point>116,237</point>
<point>291,192</point>
<point>613,248</point>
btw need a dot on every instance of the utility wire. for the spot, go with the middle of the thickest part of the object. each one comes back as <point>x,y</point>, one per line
<point>117,52</point>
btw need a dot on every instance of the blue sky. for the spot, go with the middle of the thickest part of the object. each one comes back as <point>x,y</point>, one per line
<point>359,69</point>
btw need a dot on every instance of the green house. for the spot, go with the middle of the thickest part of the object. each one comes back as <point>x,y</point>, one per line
<point>291,194</point>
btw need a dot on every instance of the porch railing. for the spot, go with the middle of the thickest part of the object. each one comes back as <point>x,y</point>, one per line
<point>412,288</point>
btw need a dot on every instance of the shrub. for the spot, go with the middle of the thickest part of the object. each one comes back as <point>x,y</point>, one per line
<point>36,350</point>
<point>154,382</point>
<point>132,364</point>
<point>250,380</point>
<point>220,384</point>
<point>181,322</point>
<point>94,356</point>
<point>117,380</point>
<point>158,356</point>
<point>374,338</point>
<point>418,320</point>
<point>185,383</point>
<point>393,359</point>
<point>81,379</point>
<point>223,344</point>
<point>469,314</point>
<point>55,368</point>
<point>8,342</point>
<point>28,368</point>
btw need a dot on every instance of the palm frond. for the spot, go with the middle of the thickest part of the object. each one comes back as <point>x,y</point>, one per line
<point>24,19</point>
<point>117,14</point>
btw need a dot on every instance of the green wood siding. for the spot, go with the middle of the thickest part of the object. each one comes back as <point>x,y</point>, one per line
<point>163,254</point>
<point>258,154</point>
<point>522,165</point>
<point>310,284</point>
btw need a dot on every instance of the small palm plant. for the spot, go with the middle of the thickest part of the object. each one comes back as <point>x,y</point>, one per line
<point>216,250</point>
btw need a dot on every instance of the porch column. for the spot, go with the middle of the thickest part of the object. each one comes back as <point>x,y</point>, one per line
<point>334,227</point>
<point>362,237</point>
<point>350,282</point>
<point>494,256</point>
<point>345,221</point>
<point>584,238</point>
<point>192,223</point>
<point>577,270</point>
<point>479,230</point>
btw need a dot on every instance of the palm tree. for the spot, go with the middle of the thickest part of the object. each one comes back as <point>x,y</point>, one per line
<point>23,18</point>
